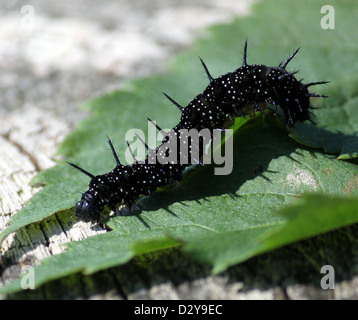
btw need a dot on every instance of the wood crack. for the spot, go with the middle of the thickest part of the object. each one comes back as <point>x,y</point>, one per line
<point>22,150</point>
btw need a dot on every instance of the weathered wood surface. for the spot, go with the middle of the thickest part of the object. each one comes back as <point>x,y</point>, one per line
<point>71,54</point>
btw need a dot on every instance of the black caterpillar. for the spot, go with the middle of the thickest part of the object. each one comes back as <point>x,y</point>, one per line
<point>243,92</point>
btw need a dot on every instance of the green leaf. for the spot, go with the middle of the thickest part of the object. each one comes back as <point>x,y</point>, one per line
<point>222,219</point>
<point>315,214</point>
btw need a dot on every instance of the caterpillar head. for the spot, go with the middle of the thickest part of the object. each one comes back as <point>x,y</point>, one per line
<point>89,207</point>
<point>99,193</point>
<point>91,204</point>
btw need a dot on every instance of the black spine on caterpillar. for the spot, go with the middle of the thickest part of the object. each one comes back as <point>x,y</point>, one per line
<point>242,92</point>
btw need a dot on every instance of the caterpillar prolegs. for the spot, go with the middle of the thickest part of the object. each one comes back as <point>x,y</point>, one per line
<point>239,93</point>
